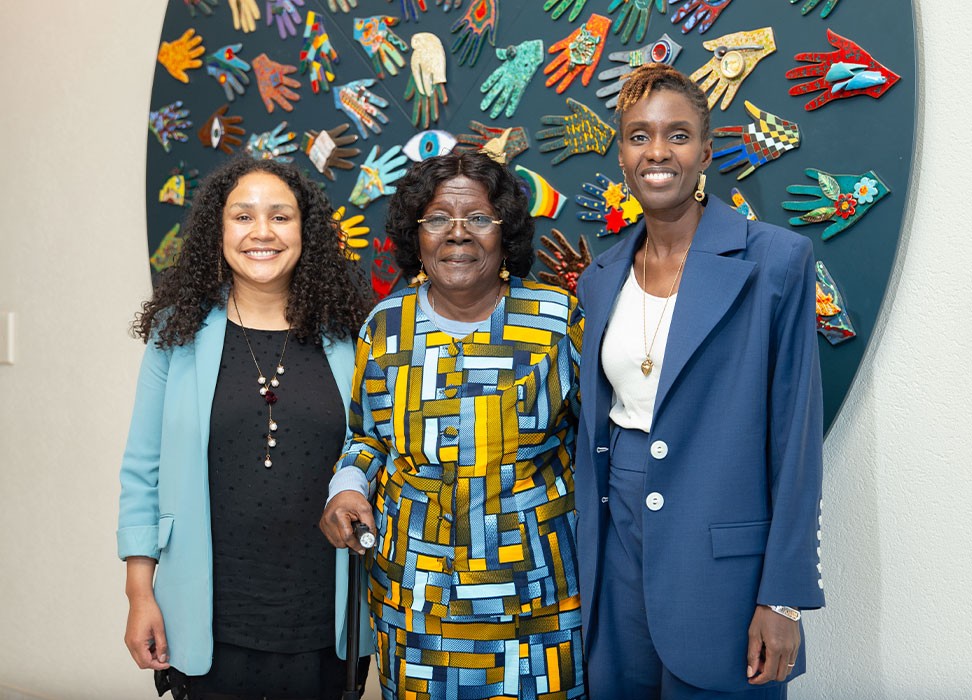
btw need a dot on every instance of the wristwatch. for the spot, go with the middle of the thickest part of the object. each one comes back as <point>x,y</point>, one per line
<point>785,611</point>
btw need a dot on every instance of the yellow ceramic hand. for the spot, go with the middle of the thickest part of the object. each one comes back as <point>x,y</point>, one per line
<point>734,56</point>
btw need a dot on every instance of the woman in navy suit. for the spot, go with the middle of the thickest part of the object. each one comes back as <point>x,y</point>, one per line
<point>241,409</point>
<point>698,472</point>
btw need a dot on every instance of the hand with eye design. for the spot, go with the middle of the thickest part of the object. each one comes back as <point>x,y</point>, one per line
<point>220,131</point>
<point>734,56</point>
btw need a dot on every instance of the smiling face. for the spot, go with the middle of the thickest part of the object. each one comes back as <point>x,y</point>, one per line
<point>662,151</point>
<point>458,261</point>
<point>262,232</point>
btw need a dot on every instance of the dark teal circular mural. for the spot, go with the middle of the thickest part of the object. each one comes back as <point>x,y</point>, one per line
<point>813,112</point>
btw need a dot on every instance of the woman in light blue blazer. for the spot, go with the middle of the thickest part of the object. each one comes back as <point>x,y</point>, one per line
<point>698,468</point>
<point>241,410</point>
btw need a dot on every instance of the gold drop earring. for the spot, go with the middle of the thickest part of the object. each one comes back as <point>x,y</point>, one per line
<point>700,188</point>
<point>421,277</point>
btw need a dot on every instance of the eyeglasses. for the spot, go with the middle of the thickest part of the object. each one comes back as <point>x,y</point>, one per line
<point>477,224</point>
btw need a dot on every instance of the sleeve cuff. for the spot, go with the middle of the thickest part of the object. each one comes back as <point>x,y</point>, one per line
<point>348,480</point>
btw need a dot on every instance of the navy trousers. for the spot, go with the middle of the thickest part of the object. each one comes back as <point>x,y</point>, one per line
<point>622,661</point>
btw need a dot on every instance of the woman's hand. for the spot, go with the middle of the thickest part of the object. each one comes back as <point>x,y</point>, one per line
<point>337,521</point>
<point>774,642</point>
<point>145,632</point>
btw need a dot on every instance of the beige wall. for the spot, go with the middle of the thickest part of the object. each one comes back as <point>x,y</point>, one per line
<point>75,88</point>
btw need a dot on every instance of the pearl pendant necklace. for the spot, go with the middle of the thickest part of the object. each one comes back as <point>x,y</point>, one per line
<point>266,387</point>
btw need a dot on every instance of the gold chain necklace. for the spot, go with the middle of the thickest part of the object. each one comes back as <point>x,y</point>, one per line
<point>647,365</point>
<point>266,387</point>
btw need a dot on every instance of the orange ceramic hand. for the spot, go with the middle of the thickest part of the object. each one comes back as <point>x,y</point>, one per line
<point>579,53</point>
<point>182,55</point>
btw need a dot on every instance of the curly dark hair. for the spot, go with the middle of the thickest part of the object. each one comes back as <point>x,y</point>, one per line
<point>640,82</point>
<point>414,192</point>
<point>328,293</point>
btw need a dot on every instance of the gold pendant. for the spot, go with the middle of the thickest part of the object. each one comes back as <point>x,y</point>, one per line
<point>646,366</point>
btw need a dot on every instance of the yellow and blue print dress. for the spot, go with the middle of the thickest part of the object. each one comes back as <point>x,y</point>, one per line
<point>470,443</point>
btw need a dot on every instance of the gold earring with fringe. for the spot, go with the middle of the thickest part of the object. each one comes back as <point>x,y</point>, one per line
<point>504,274</point>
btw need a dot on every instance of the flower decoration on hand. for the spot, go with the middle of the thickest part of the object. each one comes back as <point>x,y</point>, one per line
<point>326,149</point>
<point>765,139</point>
<point>703,13</point>
<point>382,45</point>
<point>351,233</point>
<point>221,131</point>
<point>272,145</point>
<point>361,105</point>
<point>564,260</point>
<point>318,54</point>
<point>840,199</point>
<point>426,85</point>
<point>578,53</point>
<point>665,50</point>
<point>581,131</point>
<point>180,186</point>
<point>168,122</point>
<point>609,203</point>
<point>505,86</point>
<point>847,72</point>
<point>181,55</point>
<point>833,321</point>
<point>475,28</point>
<point>634,17</point>
<point>229,70</point>
<point>285,14</point>
<point>734,56</point>
<point>377,174</point>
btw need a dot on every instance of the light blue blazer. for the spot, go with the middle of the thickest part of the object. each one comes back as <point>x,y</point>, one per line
<point>164,505</point>
<point>736,445</point>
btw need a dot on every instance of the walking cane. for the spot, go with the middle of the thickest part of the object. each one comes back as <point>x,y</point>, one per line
<point>367,540</point>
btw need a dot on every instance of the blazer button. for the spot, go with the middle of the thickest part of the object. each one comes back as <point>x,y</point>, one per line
<point>655,501</point>
<point>659,449</point>
<point>604,499</point>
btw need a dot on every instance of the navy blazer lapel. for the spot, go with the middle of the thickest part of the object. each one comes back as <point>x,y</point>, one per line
<point>610,270</point>
<point>711,283</point>
<point>208,349</point>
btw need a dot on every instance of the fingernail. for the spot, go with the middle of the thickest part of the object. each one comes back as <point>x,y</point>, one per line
<point>164,658</point>
<point>749,672</point>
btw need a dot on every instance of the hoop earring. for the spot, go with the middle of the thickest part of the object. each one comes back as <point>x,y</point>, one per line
<point>421,277</point>
<point>504,274</point>
<point>700,188</point>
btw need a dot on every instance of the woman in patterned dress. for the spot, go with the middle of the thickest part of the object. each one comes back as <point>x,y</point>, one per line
<point>462,426</point>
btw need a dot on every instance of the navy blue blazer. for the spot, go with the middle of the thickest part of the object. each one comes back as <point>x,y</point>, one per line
<point>736,445</point>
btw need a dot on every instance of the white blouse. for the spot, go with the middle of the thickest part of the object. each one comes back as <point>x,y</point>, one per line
<point>623,351</point>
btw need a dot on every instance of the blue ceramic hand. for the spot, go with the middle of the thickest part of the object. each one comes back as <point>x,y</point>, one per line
<point>377,174</point>
<point>229,70</point>
<point>272,145</point>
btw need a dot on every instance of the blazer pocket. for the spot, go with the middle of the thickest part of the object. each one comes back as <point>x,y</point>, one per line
<point>165,530</point>
<point>739,539</point>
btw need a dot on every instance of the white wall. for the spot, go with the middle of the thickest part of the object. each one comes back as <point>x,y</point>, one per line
<point>75,88</point>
